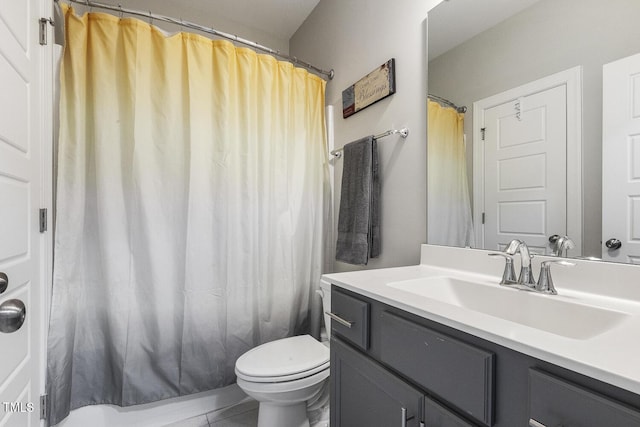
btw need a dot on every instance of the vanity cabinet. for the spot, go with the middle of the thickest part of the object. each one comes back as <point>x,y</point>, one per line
<point>556,402</point>
<point>364,394</point>
<point>417,372</point>
<point>414,350</point>
<point>350,319</point>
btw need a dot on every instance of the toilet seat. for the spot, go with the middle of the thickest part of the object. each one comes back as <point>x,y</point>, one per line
<point>283,360</point>
<point>283,378</point>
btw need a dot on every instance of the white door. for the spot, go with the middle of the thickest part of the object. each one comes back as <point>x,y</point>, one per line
<point>22,132</point>
<point>525,157</point>
<point>621,160</point>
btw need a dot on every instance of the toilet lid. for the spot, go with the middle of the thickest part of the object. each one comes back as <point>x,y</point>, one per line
<point>287,357</point>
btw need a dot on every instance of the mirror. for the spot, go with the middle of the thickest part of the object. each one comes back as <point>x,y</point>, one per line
<point>478,50</point>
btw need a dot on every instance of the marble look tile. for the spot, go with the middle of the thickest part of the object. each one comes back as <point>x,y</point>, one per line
<point>245,419</point>
<point>232,411</point>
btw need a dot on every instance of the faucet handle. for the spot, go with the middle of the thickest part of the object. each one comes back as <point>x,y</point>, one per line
<point>509,274</point>
<point>545,282</point>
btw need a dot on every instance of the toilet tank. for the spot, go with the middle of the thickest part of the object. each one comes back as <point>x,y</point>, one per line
<point>325,294</point>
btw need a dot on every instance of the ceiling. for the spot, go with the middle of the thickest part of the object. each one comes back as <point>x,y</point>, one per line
<point>450,23</point>
<point>453,22</point>
<point>280,18</point>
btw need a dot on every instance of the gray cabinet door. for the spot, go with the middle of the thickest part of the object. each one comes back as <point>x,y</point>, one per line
<point>364,394</point>
<point>436,415</point>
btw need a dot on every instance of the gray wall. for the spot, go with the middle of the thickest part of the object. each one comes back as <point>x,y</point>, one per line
<point>551,36</point>
<point>354,37</point>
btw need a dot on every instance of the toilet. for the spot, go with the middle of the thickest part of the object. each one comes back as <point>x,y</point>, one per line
<point>285,374</point>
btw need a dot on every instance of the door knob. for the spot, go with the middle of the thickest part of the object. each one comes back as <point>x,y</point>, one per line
<point>12,314</point>
<point>613,244</point>
<point>4,282</point>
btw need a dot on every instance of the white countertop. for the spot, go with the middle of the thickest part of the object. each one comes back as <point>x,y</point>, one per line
<point>612,356</point>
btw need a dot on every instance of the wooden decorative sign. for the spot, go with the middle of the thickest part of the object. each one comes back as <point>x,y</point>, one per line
<point>370,89</point>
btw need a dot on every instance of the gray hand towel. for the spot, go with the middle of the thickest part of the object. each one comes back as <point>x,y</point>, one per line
<point>358,218</point>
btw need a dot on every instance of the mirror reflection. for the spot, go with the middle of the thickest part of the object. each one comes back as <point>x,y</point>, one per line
<point>526,158</point>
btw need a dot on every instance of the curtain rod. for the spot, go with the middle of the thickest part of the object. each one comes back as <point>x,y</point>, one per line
<point>404,132</point>
<point>441,100</point>
<point>208,30</point>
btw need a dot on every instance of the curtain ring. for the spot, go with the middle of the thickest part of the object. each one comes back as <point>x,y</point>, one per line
<point>89,5</point>
<point>121,12</point>
<point>150,18</point>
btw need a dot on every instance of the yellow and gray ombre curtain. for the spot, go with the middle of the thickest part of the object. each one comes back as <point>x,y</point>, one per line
<point>449,210</point>
<point>191,186</point>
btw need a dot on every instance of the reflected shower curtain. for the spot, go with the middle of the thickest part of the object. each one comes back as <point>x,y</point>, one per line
<point>449,210</point>
<point>191,189</point>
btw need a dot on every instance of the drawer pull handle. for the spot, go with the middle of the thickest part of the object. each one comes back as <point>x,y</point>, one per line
<point>347,323</point>
<point>405,419</point>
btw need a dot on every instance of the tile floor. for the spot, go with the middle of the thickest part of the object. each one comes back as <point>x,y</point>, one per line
<point>242,415</point>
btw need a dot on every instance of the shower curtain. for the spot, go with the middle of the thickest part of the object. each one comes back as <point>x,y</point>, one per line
<point>449,210</point>
<point>192,181</point>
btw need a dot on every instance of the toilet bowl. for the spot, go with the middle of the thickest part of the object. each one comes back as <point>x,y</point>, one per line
<point>282,376</point>
<point>285,374</point>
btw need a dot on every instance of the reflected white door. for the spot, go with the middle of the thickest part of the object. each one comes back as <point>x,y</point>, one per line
<point>621,160</point>
<point>21,136</point>
<point>525,177</point>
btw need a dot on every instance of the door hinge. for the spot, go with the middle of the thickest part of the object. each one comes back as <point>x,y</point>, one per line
<point>483,217</point>
<point>44,407</point>
<point>483,131</point>
<point>42,31</point>
<point>43,220</point>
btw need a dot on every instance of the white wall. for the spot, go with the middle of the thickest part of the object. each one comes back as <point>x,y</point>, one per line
<point>354,37</point>
<point>551,36</point>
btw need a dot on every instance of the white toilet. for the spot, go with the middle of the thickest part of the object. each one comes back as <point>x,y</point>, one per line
<point>283,375</point>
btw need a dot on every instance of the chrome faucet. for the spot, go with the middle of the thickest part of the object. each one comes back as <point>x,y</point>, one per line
<point>526,276</point>
<point>525,280</point>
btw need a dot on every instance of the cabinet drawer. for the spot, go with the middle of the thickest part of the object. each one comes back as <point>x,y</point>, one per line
<point>353,318</point>
<point>454,371</point>
<point>556,402</point>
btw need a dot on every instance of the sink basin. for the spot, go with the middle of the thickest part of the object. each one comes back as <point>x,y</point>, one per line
<point>548,313</point>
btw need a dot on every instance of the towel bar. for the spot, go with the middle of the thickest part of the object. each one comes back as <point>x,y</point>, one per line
<point>404,132</point>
